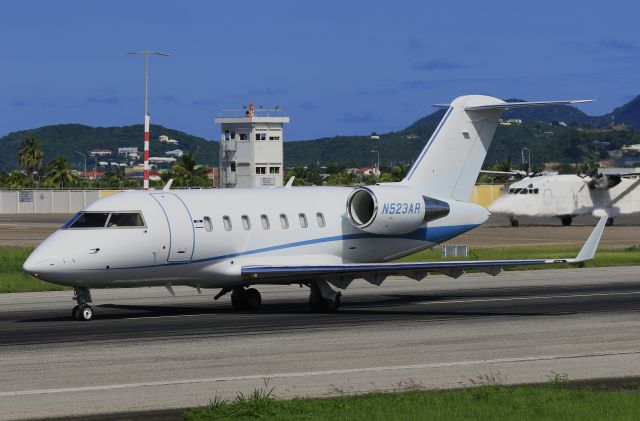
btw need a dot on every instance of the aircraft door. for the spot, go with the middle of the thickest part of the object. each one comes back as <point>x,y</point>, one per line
<point>181,235</point>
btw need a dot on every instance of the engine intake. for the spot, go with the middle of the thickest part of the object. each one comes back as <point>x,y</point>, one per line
<point>386,209</point>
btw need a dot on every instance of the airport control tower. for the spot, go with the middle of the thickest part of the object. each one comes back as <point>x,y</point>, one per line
<point>251,147</point>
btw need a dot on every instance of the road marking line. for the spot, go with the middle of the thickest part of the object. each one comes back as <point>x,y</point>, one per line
<point>533,297</point>
<point>313,373</point>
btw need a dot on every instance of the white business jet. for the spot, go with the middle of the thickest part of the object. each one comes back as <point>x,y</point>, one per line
<point>321,237</point>
<point>566,196</point>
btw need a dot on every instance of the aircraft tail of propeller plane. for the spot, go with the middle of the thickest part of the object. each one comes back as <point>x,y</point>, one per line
<point>321,237</point>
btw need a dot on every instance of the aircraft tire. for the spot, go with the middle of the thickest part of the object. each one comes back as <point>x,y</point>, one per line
<point>323,305</point>
<point>237,299</point>
<point>515,222</point>
<point>84,312</point>
<point>252,299</point>
<point>609,222</point>
<point>566,220</point>
<point>75,313</point>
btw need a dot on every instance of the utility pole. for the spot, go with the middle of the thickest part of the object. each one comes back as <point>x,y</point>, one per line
<point>377,169</point>
<point>147,117</point>
<point>85,161</point>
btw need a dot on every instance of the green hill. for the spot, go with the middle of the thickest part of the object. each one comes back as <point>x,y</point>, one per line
<point>64,139</point>
<point>540,132</point>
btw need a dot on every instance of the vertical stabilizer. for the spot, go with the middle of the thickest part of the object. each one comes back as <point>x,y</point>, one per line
<point>449,164</point>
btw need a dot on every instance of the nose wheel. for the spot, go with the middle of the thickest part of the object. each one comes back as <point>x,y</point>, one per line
<point>83,310</point>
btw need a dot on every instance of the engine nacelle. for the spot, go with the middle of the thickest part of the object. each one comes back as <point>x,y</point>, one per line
<point>386,209</point>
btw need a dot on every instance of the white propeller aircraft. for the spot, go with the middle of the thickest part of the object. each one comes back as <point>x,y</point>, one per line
<point>321,237</point>
<point>567,196</point>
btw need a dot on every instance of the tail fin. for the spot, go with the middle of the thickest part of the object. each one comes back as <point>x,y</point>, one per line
<point>449,164</point>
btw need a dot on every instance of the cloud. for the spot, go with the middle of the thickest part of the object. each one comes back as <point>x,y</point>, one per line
<point>414,44</point>
<point>365,117</point>
<point>307,106</point>
<point>19,103</point>
<point>438,64</point>
<point>615,45</point>
<point>268,92</point>
<point>167,98</point>
<point>103,100</point>
<point>602,45</point>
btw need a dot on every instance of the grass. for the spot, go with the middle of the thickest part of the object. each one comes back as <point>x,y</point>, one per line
<point>553,401</point>
<point>13,279</point>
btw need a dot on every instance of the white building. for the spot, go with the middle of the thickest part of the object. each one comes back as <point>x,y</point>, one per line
<point>176,152</point>
<point>251,148</point>
<point>166,139</point>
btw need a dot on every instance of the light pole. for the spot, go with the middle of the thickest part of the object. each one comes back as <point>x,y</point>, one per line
<point>147,118</point>
<point>85,161</point>
<point>378,168</point>
<point>528,160</point>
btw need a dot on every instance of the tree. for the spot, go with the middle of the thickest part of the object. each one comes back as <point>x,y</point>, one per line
<point>30,154</point>
<point>59,173</point>
<point>187,173</point>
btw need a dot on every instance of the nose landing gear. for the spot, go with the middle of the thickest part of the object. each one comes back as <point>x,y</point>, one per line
<point>82,311</point>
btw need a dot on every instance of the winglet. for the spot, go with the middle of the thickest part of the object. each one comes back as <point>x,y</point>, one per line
<point>290,182</point>
<point>168,185</point>
<point>589,248</point>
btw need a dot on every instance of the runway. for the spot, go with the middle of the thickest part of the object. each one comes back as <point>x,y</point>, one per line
<point>148,350</point>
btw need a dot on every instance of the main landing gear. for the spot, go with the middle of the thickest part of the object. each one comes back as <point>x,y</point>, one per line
<point>246,299</point>
<point>566,220</point>
<point>323,299</point>
<point>82,311</point>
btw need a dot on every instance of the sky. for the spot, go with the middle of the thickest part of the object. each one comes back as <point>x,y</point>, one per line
<point>335,67</point>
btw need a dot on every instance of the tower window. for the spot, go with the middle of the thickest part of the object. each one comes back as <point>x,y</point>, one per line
<point>261,170</point>
<point>261,136</point>
<point>274,170</point>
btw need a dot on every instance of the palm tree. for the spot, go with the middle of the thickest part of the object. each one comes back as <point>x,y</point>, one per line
<point>30,154</point>
<point>59,172</point>
<point>186,172</point>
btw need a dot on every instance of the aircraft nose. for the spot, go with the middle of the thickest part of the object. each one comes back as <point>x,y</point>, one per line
<point>36,263</point>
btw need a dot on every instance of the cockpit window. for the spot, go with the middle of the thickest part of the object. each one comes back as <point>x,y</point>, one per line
<point>90,220</point>
<point>125,219</point>
<point>105,219</point>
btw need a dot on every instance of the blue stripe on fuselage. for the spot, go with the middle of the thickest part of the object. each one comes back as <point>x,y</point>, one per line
<point>432,234</point>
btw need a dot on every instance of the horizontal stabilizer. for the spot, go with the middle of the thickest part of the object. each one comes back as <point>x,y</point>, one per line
<point>509,105</point>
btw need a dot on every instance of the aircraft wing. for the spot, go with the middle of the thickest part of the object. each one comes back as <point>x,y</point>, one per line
<point>377,272</point>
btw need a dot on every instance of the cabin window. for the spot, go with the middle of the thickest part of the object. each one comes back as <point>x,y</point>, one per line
<point>265,221</point>
<point>207,224</point>
<point>284,222</point>
<point>125,219</point>
<point>227,223</point>
<point>246,224</point>
<point>303,220</point>
<point>90,220</point>
<point>320,218</point>
<point>523,191</point>
<point>536,191</point>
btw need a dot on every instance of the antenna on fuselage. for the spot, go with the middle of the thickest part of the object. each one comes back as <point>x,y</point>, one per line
<point>168,185</point>
<point>290,182</point>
